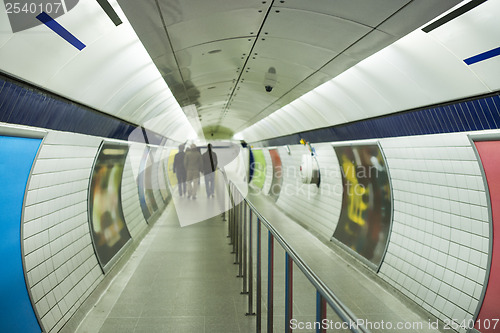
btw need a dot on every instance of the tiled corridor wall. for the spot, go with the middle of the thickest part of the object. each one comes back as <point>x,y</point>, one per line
<point>439,243</point>
<point>61,266</point>
<point>438,251</point>
<point>317,208</point>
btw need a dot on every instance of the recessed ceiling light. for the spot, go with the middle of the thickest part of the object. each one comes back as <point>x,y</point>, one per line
<point>214,51</point>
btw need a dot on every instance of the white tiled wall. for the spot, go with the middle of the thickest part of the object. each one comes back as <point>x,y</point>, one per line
<point>439,245</point>
<point>130,195</point>
<point>318,208</point>
<point>61,265</point>
<point>60,262</point>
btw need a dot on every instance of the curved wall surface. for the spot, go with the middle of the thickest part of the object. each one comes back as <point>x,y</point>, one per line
<point>319,207</point>
<point>130,195</point>
<point>439,246</point>
<point>17,155</point>
<point>61,265</point>
<point>488,316</point>
<point>438,253</point>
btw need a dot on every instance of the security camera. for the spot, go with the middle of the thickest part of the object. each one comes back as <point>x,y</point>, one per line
<point>270,79</point>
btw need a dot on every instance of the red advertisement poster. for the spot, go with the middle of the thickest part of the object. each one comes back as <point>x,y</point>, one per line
<point>489,315</point>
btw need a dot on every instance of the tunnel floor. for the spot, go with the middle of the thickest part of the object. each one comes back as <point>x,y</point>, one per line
<point>183,279</point>
<point>177,280</point>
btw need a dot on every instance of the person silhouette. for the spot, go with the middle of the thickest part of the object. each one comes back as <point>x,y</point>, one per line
<point>193,165</point>
<point>180,170</point>
<point>209,167</point>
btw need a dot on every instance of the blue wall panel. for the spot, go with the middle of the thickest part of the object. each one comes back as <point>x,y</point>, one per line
<point>26,105</point>
<point>475,114</point>
<point>16,158</point>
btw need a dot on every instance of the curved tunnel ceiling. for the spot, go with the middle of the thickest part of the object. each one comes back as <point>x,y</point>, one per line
<point>418,70</point>
<point>215,54</point>
<point>331,60</point>
<point>113,73</point>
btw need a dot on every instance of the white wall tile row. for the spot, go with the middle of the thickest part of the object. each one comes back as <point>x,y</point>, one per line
<point>61,266</point>
<point>60,262</point>
<point>439,245</point>
<point>318,208</point>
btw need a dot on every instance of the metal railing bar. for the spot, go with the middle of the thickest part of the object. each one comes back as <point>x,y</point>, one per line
<point>250,267</point>
<point>288,292</point>
<point>244,252</point>
<point>270,281</point>
<point>259,278</point>
<point>340,309</point>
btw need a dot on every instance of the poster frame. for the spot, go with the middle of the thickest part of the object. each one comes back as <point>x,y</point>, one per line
<point>365,261</point>
<point>105,268</point>
<point>24,132</point>
<point>473,138</point>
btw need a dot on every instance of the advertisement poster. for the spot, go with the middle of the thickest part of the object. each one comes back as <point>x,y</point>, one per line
<point>162,176</point>
<point>365,217</point>
<point>259,169</point>
<point>17,155</point>
<point>487,319</point>
<point>275,190</point>
<point>109,230</point>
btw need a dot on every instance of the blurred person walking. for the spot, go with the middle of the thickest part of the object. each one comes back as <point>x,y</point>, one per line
<point>180,170</point>
<point>193,164</point>
<point>209,167</point>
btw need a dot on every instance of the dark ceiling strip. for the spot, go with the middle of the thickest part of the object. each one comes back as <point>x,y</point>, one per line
<point>452,15</point>
<point>238,81</point>
<point>470,114</point>
<point>173,52</point>
<point>108,9</point>
<point>60,30</point>
<point>483,56</point>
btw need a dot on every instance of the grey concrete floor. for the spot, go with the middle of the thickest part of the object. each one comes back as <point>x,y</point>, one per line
<point>183,279</point>
<point>180,279</point>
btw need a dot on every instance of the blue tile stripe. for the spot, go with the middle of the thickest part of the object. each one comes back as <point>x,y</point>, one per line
<point>483,56</point>
<point>480,113</point>
<point>60,30</point>
<point>23,104</point>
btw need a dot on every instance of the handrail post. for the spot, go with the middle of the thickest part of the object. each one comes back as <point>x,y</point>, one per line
<point>250,267</point>
<point>270,282</point>
<point>259,279</point>
<point>230,211</point>
<point>228,202</point>
<point>324,294</point>
<point>235,231</point>
<point>244,252</point>
<point>240,239</point>
<point>288,292</point>
<point>320,312</point>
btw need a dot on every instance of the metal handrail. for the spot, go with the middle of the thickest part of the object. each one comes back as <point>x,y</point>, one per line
<point>344,313</point>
